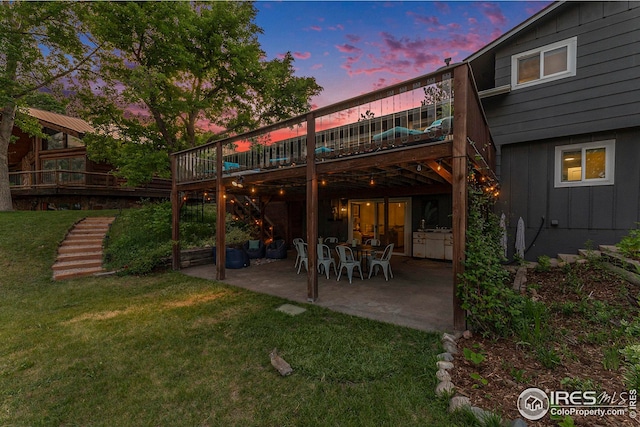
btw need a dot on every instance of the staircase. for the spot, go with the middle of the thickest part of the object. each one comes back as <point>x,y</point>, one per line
<point>243,207</point>
<point>80,254</point>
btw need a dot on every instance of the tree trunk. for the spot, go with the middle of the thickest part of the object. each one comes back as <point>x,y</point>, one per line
<point>6,127</point>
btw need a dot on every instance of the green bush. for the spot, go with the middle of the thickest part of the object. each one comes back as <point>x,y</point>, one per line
<point>140,239</point>
<point>629,246</point>
<point>491,304</point>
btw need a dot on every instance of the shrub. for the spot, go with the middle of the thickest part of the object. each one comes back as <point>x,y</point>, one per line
<point>629,246</point>
<point>490,303</point>
<point>140,239</point>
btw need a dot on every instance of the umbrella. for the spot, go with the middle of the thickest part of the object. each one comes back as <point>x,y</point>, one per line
<point>520,245</point>
<point>503,238</point>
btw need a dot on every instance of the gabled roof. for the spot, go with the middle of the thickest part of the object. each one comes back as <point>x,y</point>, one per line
<point>515,30</point>
<point>72,123</point>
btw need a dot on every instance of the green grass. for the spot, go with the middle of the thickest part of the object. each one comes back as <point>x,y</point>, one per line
<point>172,350</point>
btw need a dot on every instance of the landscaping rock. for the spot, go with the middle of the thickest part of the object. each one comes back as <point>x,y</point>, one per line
<point>518,422</point>
<point>441,364</point>
<point>480,414</point>
<point>443,375</point>
<point>449,337</point>
<point>444,388</point>
<point>467,334</point>
<point>520,280</point>
<point>458,402</point>
<point>445,356</point>
<point>450,347</point>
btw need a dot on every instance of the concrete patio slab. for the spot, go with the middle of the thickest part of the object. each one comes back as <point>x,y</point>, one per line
<point>419,296</point>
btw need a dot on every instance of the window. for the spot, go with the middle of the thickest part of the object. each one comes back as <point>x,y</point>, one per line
<point>585,164</point>
<point>552,62</point>
<point>56,140</point>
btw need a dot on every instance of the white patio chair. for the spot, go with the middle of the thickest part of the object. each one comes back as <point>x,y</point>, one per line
<point>372,242</point>
<point>325,260</point>
<point>295,245</point>
<point>331,240</point>
<point>347,261</point>
<point>383,262</point>
<point>304,256</point>
<point>371,255</point>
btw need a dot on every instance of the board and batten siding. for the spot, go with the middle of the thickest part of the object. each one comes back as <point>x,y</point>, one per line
<point>601,214</point>
<point>603,95</point>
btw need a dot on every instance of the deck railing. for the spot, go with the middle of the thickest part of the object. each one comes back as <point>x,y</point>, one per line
<point>61,178</point>
<point>384,119</point>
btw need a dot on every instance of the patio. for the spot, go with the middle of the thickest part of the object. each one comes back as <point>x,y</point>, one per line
<point>419,296</point>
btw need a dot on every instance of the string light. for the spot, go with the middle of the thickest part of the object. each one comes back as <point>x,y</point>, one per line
<point>371,181</point>
<point>281,192</point>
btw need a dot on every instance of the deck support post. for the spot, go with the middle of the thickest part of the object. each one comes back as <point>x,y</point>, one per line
<point>221,210</point>
<point>459,185</point>
<point>175,218</point>
<point>312,209</point>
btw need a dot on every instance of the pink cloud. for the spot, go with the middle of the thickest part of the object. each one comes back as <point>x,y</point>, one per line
<point>423,19</point>
<point>317,66</point>
<point>347,48</point>
<point>353,38</point>
<point>315,28</point>
<point>302,55</point>
<point>493,13</point>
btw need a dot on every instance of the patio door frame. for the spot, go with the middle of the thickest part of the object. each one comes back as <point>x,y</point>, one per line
<point>375,201</point>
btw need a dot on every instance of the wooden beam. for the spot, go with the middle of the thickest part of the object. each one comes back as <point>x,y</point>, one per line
<point>459,184</point>
<point>175,220</point>
<point>440,170</point>
<point>221,248</point>
<point>312,209</point>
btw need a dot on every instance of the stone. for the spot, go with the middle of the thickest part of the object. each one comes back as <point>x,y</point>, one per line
<point>450,347</point>
<point>443,375</point>
<point>458,402</point>
<point>445,356</point>
<point>291,309</point>
<point>448,337</point>
<point>518,422</point>
<point>520,280</point>
<point>444,388</point>
<point>467,334</point>
<point>479,413</point>
<point>442,364</point>
<point>279,363</point>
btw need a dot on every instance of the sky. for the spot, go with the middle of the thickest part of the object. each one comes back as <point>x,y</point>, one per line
<point>353,47</point>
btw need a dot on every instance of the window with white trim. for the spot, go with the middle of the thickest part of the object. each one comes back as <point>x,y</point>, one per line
<point>585,164</point>
<point>544,64</point>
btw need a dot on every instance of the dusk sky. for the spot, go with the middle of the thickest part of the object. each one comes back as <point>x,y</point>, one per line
<point>354,47</point>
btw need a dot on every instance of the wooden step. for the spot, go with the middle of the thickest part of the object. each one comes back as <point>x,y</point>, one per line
<point>589,253</point>
<point>77,272</point>
<point>75,248</point>
<point>569,258</point>
<point>80,254</point>
<point>72,265</point>
<point>89,256</point>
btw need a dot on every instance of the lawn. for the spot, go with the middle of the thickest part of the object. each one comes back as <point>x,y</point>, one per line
<point>167,349</point>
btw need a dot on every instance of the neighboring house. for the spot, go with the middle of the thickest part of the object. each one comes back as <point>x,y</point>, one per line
<point>561,93</point>
<point>54,172</point>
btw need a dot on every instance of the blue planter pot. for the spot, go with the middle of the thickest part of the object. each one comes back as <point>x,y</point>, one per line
<point>234,258</point>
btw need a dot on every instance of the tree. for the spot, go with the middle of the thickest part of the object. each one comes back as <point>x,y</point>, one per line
<point>40,45</point>
<point>177,71</point>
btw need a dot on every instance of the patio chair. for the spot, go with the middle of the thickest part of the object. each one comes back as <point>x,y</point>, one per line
<point>383,262</point>
<point>347,261</point>
<point>254,248</point>
<point>276,250</point>
<point>325,260</point>
<point>295,246</point>
<point>304,256</point>
<point>371,255</point>
<point>331,240</point>
<point>372,242</point>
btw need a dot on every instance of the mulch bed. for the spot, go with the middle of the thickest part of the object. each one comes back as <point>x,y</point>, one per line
<point>582,334</point>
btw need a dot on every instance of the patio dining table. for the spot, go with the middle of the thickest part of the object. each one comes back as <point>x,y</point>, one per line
<point>360,252</point>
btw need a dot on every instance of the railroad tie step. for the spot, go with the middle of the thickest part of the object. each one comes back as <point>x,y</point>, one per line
<point>80,254</point>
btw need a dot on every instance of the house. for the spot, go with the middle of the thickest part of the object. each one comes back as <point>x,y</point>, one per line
<point>561,93</point>
<point>549,113</point>
<point>54,172</point>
